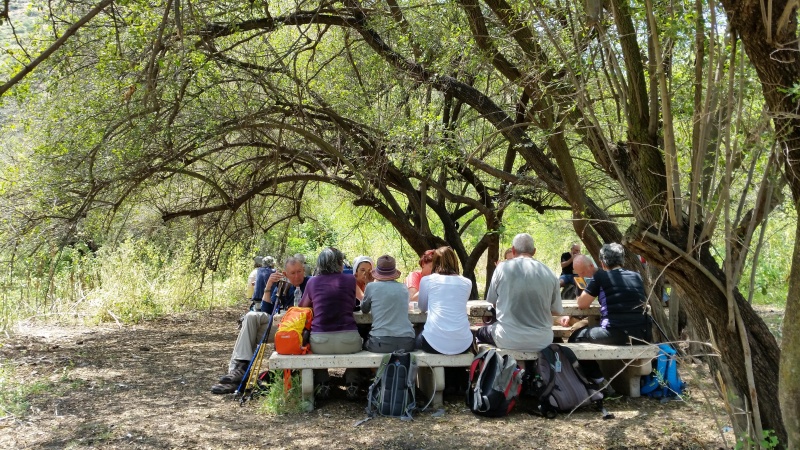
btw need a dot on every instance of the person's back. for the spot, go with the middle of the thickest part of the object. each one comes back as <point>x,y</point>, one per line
<point>333,301</point>
<point>621,298</point>
<point>387,300</point>
<point>526,294</point>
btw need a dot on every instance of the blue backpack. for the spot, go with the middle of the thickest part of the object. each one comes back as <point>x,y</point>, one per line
<point>664,382</point>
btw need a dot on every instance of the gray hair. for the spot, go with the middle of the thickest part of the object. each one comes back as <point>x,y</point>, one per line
<point>612,255</point>
<point>523,243</point>
<point>330,260</point>
<point>290,261</point>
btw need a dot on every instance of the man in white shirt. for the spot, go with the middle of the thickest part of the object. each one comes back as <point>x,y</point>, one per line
<point>525,293</point>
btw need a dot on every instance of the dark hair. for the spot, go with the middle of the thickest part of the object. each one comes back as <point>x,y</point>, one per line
<point>426,257</point>
<point>445,261</point>
<point>612,255</point>
<point>330,260</point>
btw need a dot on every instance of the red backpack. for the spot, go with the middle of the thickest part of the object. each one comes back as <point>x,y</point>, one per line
<point>293,332</point>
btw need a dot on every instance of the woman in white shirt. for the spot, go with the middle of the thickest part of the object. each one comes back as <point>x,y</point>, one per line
<point>444,294</point>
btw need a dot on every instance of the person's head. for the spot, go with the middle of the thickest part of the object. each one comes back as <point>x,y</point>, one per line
<point>268,261</point>
<point>509,254</point>
<point>294,271</point>
<point>300,257</point>
<point>426,262</point>
<point>583,266</point>
<point>362,269</point>
<point>612,255</point>
<point>575,249</point>
<point>522,244</point>
<point>445,261</point>
<point>257,261</point>
<point>330,260</point>
<point>385,269</point>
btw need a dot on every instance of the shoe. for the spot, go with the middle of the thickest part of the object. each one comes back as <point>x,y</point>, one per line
<point>221,389</point>
<point>608,392</point>
<point>323,391</point>
<point>236,374</point>
<point>352,391</point>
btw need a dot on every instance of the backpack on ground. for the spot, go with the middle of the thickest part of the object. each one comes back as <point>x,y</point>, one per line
<point>495,382</point>
<point>393,392</point>
<point>560,385</point>
<point>294,331</point>
<point>664,381</point>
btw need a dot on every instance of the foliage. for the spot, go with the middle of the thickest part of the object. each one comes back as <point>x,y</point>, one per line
<point>274,400</point>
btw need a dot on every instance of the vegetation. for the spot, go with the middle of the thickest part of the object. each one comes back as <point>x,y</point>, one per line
<point>211,131</point>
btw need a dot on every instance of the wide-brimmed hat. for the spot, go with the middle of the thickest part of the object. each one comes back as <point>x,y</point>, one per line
<point>385,269</point>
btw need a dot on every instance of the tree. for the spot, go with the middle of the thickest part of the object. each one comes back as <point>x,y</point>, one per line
<point>256,101</point>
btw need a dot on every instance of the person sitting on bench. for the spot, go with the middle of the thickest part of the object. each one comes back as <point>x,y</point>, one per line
<point>331,294</point>
<point>444,295</point>
<point>255,323</point>
<point>623,317</point>
<point>387,300</point>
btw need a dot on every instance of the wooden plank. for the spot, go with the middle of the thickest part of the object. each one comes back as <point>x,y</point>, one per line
<point>590,351</point>
<point>479,308</point>
<point>361,359</point>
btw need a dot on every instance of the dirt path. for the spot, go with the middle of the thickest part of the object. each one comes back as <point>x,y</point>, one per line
<point>147,386</point>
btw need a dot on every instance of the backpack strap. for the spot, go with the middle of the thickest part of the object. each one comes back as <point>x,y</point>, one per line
<point>372,408</point>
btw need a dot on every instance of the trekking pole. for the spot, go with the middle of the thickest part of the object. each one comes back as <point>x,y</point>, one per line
<point>258,355</point>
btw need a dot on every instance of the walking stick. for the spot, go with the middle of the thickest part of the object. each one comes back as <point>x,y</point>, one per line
<point>251,374</point>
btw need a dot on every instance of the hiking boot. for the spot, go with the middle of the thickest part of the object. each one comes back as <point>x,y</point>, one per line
<point>220,389</point>
<point>352,391</point>
<point>608,392</point>
<point>236,374</point>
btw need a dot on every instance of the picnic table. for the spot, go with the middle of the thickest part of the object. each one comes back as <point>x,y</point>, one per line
<point>479,308</point>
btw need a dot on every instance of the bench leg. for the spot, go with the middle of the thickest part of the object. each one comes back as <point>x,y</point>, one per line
<point>307,382</point>
<point>431,383</point>
<point>627,382</point>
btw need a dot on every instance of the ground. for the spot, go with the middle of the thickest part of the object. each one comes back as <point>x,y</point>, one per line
<point>147,386</point>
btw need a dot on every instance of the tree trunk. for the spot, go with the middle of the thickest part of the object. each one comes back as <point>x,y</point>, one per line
<point>789,375</point>
<point>706,306</point>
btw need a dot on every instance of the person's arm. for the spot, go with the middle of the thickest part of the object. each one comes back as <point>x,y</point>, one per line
<point>556,308</point>
<point>568,261</point>
<point>584,300</point>
<point>423,294</point>
<point>590,293</point>
<point>306,302</point>
<point>491,294</point>
<point>366,302</point>
<point>270,294</point>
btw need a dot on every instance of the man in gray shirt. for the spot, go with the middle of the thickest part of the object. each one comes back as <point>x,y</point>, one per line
<point>525,293</point>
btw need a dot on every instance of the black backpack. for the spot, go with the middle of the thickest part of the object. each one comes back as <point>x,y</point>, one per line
<point>494,384</point>
<point>560,385</point>
<point>393,393</point>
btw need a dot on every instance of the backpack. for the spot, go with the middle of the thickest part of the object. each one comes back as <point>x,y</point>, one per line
<point>559,383</point>
<point>495,382</point>
<point>393,392</point>
<point>293,332</point>
<point>664,381</point>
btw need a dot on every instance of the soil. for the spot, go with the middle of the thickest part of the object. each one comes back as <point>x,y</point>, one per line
<point>147,386</point>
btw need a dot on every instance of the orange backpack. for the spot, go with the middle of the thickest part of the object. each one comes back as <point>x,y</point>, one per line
<point>293,331</point>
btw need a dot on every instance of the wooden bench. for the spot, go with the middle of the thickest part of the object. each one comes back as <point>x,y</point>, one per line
<point>430,376</point>
<point>624,364</point>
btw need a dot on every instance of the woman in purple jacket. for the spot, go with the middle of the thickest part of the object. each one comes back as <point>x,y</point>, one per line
<point>331,294</point>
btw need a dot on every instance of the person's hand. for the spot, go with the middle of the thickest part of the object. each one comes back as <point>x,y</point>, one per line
<point>564,321</point>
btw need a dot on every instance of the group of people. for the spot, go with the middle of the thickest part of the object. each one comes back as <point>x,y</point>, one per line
<point>524,291</point>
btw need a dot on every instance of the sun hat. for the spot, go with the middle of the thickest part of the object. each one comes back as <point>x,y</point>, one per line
<point>268,261</point>
<point>361,259</point>
<point>385,269</point>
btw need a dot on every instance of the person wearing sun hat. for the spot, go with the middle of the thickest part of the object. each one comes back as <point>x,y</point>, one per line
<point>362,270</point>
<point>387,300</point>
